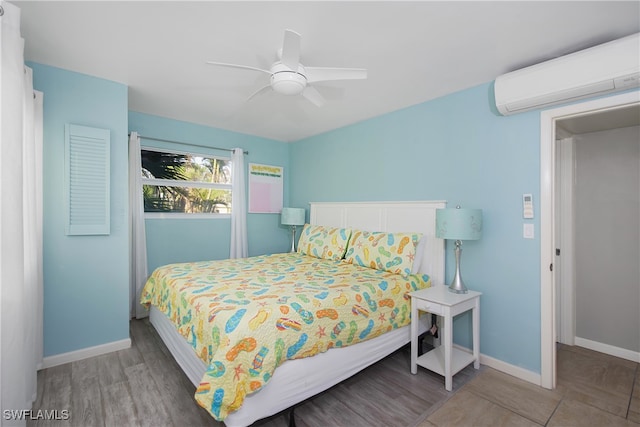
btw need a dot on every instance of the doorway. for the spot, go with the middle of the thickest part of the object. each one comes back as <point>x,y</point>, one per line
<point>587,113</point>
<point>597,189</point>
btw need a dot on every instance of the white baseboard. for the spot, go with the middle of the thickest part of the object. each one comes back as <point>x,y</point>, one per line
<point>507,368</point>
<point>85,353</point>
<point>535,378</point>
<point>514,371</point>
<point>622,353</point>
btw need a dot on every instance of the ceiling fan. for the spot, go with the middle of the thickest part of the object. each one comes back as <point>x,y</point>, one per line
<point>289,77</point>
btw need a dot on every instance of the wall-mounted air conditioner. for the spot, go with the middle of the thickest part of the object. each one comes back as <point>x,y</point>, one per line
<point>606,68</point>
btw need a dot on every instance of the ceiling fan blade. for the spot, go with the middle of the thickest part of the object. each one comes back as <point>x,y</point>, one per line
<point>322,74</point>
<point>260,91</point>
<point>244,67</point>
<point>291,50</point>
<point>312,94</point>
<point>234,111</point>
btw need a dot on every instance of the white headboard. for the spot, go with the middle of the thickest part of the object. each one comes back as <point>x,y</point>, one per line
<point>393,217</point>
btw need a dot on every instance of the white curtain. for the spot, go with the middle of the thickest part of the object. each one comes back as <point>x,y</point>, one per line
<point>20,221</point>
<point>138,237</point>
<point>239,245</point>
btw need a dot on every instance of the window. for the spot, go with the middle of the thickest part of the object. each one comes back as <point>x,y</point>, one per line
<point>187,183</point>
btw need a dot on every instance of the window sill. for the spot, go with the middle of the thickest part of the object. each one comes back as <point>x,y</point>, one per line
<point>178,215</point>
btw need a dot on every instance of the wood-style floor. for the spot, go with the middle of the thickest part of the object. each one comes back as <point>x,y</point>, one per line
<point>144,386</point>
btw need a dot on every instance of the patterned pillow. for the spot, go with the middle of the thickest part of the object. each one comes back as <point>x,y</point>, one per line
<point>392,252</point>
<point>324,242</point>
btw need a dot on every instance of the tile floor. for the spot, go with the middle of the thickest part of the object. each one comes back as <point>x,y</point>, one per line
<point>593,389</point>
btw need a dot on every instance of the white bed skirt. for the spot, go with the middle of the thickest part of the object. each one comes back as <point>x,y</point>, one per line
<point>295,380</point>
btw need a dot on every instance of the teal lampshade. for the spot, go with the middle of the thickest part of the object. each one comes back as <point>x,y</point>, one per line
<point>292,216</point>
<point>459,224</point>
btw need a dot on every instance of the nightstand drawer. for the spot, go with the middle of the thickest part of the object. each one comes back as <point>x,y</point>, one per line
<point>428,306</point>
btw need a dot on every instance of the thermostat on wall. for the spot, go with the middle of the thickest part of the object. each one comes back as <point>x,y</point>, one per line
<point>527,206</point>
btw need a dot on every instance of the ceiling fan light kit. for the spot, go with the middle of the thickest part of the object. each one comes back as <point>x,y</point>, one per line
<point>286,81</point>
<point>290,77</point>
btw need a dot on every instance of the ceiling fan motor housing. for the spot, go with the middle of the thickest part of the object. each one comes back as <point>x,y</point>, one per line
<point>286,81</point>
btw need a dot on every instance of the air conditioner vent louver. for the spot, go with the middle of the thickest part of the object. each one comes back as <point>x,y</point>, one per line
<point>87,172</point>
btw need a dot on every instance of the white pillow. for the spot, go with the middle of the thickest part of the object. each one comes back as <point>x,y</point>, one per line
<point>420,248</point>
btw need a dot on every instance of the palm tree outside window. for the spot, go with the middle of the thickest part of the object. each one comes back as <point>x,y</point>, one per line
<point>188,183</point>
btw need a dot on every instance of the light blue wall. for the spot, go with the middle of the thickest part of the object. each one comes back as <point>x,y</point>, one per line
<point>458,149</point>
<point>179,240</point>
<point>86,278</point>
<point>455,148</point>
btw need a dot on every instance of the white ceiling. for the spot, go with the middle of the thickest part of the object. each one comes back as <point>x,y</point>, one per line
<point>414,52</point>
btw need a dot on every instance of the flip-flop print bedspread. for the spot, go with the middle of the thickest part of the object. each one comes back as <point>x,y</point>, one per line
<point>244,317</point>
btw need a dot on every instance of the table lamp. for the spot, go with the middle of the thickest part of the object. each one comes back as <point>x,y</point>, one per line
<point>292,217</point>
<point>458,224</point>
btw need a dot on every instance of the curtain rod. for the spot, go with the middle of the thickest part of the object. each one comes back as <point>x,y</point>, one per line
<point>187,143</point>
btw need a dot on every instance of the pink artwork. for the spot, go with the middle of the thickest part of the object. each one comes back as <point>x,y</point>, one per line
<point>265,188</point>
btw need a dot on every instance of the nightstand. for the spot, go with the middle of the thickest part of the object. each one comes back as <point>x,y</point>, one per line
<point>445,360</point>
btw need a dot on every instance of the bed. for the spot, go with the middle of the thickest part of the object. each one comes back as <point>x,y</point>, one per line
<point>331,361</point>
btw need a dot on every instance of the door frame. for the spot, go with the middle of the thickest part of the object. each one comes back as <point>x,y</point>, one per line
<point>548,220</point>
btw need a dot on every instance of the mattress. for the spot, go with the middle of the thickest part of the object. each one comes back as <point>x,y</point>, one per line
<point>245,318</point>
<point>295,380</point>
